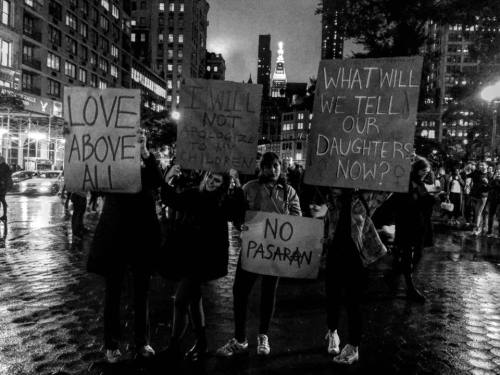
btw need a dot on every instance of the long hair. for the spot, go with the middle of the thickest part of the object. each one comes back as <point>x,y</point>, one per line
<point>222,191</point>
<point>419,164</point>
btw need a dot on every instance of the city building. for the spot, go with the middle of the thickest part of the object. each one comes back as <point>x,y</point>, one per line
<point>169,36</point>
<point>50,44</point>
<point>295,127</point>
<point>332,39</point>
<point>264,64</point>
<point>278,85</point>
<point>216,66</point>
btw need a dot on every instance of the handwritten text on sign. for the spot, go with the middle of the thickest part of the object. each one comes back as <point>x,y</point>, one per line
<point>101,150</point>
<point>218,126</point>
<point>364,123</point>
<point>281,245</point>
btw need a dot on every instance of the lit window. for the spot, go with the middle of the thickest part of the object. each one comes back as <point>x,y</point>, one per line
<point>170,54</point>
<point>103,65</point>
<point>180,54</point>
<point>114,50</point>
<point>82,75</point>
<point>103,84</point>
<point>132,37</point>
<point>5,53</point>
<point>83,29</point>
<point>115,12</point>
<point>179,69</point>
<point>300,126</point>
<point>29,2</point>
<point>133,22</point>
<point>171,7</point>
<point>160,37</point>
<point>54,88</point>
<point>178,99</point>
<point>181,38</point>
<point>70,69</point>
<point>170,38</point>
<point>170,67</point>
<point>71,21</point>
<point>169,98</point>
<point>105,4</point>
<point>215,69</point>
<point>161,7</point>
<point>208,68</point>
<point>114,71</point>
<point>104,22</point>
<point>143,37</point>
<point>53,61</point>
<point>181,7</point>
<point>6,12</point>
<point>169,84</point>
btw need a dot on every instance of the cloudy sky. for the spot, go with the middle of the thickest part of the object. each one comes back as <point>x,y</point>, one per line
<point>235,25</point>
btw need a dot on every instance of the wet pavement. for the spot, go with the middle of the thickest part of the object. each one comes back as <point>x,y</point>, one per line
<point>51,311</point>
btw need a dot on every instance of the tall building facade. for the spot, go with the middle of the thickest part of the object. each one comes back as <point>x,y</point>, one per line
<point>295,127</point>
<point>47,45</point>
<point>170,37</point>
<point>278,85</point>
<point>215,66</point>
<point>332,39</point>
<point>264,64</point>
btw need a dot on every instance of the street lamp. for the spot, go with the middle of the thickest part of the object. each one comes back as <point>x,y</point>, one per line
<point>176,115</point>
<point>489,94</point>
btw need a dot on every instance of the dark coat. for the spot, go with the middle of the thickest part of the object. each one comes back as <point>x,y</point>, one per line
<point>5,178</point>
<point>128,232</point>
<point>199,245</point>
<point>413,216</point>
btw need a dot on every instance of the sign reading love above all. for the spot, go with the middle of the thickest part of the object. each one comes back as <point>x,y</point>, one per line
<point>364,123</point>
<point>101,149</point>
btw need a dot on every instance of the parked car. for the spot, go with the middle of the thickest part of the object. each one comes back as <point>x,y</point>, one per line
<point>42,182</point>
<point>18,177</point>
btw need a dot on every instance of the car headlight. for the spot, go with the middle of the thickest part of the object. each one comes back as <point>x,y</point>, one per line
<point>22,184</point>
<point>46,184</point>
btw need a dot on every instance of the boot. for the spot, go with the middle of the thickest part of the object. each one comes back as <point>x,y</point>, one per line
<point>412,293</point>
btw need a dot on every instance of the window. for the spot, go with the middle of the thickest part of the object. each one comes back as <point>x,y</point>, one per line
<point>208,68</point>
<point>71,21</point>
<point>6,12</point>
<point>132,37</point>
<point>215,69</point>
<point>82,75</point>
<point>179,69</point>
<point>103,84</point>
<point>104,23</point>
<point>169,84</point>
<point>178,99</point>
<point>170,54</point>
<point>143,5</point>
<point>104,44</point>
<point>54,88</point>
<point>83,53</point>
<point>53,61</point>
<point>27,52</point>
<point>171,7</point>
<point>133,22</point>
<point>170,38</point>
<point>169,98</point>
<point>300,126</point>
<point>114,50</point>
<point>170,67</point>
<point>70,69</point>
<point>143,37</point>
<point>161,6</point>
<point>105,4</point>
<point>180,54</point>
<point>93,58</point>
<point>181,7</point>
<point>5,53</point>
<point>142,21</point>
<point>71,45</point>
<point>29,2</point>
<point>160,37</point>
<point>103,65</point>
<point>115,12</point>
<point>114,70</point>
<point>55,10</point>
<point>181,38</point>
<point>83,29</point>
<point>27,83</point>
<point>93,80</point>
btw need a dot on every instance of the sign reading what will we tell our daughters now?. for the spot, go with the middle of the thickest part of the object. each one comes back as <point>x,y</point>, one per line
<point>218,125</point>
<point>364,123</point>
<point>101,150</point>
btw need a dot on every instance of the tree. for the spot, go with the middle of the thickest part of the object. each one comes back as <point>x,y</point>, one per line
<point>161,129</point>
<point>11,102</point>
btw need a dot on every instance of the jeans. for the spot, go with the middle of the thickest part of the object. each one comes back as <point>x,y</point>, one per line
<point>479,205</point>
<point>79,206</point>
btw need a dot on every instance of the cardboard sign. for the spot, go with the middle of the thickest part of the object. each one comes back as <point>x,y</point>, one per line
<point>281,245</point>
<point>101,149</point>
<point>364,123</point>
<point>218,125</point>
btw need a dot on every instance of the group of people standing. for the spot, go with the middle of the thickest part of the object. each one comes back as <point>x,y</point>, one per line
<point>128,237</point>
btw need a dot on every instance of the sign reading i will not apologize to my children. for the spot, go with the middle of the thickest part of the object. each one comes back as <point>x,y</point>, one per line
<point>364,123</point>
<point>281,245</point>
<point>101,150</point>
<point>218,126</point>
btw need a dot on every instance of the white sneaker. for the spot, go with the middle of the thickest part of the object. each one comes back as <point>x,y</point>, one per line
<point>232,347</point>
<point>348,356</point>
<point>146,351</point>
<point>263,347</point>
<point>333,342</point>
<point>113,356</point>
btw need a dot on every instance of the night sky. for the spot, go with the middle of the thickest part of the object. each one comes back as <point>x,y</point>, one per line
<point>235,25</point>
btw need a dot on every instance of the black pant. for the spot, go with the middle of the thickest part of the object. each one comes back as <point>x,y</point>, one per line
<point>243,284</point>
<point>4,204</point>
<point>188,299</point>
<point>492,212</point>
<point>112,331</point>
<point>345,282</point>
<point>79,206</point>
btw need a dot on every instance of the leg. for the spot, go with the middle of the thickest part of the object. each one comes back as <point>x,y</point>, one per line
<point>183,298</point>
<point>491,215</point>
<point>267,302</point>
<point>112,311</point>
<point>4,206</point>
<point>355,284</point>
<point>411,258</point>
<point>243,284</point>
<point>141,310</point>
<point>198,321</point>
<point>333,291</point>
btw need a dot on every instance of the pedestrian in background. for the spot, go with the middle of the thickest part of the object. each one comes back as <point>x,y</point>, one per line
<point>268,193</point>
<point>5,185</point>
<point>202,249</point>
<point>493,201</point>
<point>127,238</point>
<point>479,197</point>
<point>455,188</point>
<point>79,201</point>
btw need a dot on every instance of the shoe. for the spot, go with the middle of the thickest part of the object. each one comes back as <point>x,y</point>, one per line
<point>415,295</point>
<point>263,347</point>
<point>197,352</point>
<point>491,235</point>
<point>348,356</point>
<point>333,342</point>
<point>113,356</point>
<point>146,352</point>
<point>232,347</point>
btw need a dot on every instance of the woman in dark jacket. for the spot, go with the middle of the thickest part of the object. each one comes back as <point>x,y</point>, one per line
<point>412,227</point>
<point>203,249</point>
<point>128,237</point>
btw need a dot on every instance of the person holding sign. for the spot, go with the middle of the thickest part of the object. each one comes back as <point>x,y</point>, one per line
<point>203,251</point>
<point>128,237</point>
<point>268,193</point>
<point>352,244</point>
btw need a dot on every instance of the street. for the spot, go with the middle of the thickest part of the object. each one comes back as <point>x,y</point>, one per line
<point>51,310</point>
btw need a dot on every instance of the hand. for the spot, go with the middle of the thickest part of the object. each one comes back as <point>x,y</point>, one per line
<point>175,171</point>
<point>141,139</point>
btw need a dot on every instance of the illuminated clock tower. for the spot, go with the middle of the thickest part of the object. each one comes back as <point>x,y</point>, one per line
<point>279,76</point>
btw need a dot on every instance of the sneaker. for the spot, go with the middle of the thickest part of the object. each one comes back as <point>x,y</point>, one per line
<point>263,347</point>
<point>113,356</point>
<point>333,342</point>
<point>348,356</point>
<point>146,351</point>
<point>232,347</point>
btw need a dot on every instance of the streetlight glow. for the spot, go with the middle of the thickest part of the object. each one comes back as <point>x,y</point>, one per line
<point>176,115</point>
<point>37,136</point>
<point>489,93</point>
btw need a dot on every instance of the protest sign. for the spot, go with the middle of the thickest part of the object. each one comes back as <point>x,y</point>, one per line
<point>364,123</point>
<point>281,245</point>
<point>218,126</point>
<point>101,149</point>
